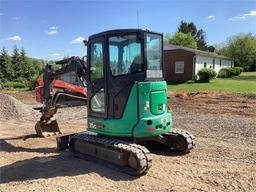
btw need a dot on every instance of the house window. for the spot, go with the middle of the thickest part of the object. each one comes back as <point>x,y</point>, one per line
<point>179,67</point>
<point>205,64</point>
<point>220,62</point>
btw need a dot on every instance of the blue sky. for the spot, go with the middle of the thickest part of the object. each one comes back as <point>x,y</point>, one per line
<point>53,29</point>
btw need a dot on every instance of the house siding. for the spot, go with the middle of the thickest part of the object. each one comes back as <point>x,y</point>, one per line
<point>170,57</point>
<point>225,63</point>
<point>200,60</point>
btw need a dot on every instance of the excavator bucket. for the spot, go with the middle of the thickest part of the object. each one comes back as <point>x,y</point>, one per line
<point>45,129</point>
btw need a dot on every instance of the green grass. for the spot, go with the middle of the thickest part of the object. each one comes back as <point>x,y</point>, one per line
<point>245,83</point>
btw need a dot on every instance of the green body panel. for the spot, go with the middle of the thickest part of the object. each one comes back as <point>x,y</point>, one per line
<point>145,113</point>
<point>156,107</point>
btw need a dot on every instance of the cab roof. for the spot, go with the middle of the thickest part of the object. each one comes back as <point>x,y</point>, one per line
<point>116,31</point>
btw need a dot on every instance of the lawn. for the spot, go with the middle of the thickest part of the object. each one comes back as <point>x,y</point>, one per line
<point>245,83</point>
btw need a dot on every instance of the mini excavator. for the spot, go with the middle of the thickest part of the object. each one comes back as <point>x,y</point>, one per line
<point>61,87</point>
<point>126,102</point>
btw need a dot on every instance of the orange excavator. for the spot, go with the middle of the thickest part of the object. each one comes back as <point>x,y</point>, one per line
<point>61,87</point>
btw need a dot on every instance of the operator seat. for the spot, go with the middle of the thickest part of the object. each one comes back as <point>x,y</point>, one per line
<point>136,64</point>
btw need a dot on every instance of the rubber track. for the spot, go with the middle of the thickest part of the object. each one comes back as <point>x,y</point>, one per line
<point>190,138</point>
<point>141,152</point>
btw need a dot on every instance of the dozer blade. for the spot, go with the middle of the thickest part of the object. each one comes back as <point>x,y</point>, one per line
<point>45,129</point>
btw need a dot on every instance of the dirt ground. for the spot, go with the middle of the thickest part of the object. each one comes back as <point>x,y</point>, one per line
<point>224,158</point>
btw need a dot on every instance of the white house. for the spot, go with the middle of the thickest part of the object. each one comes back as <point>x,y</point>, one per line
<point>182,63</point>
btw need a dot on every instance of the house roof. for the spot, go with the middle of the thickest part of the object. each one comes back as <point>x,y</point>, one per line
<point>196,51</point>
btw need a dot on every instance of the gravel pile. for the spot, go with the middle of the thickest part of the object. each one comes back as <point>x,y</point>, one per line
<point>11,108</point>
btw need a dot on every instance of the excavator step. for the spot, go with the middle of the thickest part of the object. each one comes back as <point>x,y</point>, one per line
<point>132,159</point>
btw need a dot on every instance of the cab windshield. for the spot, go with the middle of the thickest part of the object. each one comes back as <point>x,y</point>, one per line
<point>125,54</point>
<point>153,45</point>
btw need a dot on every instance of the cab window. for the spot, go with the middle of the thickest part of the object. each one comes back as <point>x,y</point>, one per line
<point>96,68</point>
<point>125,55</point>
<point>153,45</point>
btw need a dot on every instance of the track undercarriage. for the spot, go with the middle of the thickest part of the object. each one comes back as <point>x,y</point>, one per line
<point>131,158</point>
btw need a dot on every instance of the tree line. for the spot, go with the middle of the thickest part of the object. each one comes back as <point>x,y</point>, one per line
<point>241,48</point>
<point>19,68</point>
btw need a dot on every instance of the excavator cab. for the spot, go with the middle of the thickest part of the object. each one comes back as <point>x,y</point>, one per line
<point>126,89</point>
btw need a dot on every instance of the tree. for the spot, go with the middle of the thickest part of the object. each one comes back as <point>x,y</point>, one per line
<point>181,39</point>
<point>37,65</point>
<point>6,70</point>
<point>26,67</point>
<point>185,27</point>
<point>242,48</point>
<point>198,35</point>
<point>16,62</point>
<point>201,40</point>
<point>19,67</point>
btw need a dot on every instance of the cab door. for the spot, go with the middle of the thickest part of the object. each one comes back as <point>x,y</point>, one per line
<point>125,68</point>
<point>96,86</point>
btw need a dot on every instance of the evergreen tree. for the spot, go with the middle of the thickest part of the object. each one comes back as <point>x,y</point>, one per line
<point>201,40</point>
<point>198,35</point>
<point>16,63</point>
<point>6,70</point>
<point>185,27</point>
<point>25,65</point>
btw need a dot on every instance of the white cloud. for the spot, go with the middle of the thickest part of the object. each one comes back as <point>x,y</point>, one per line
<point>252,13</point>
<point>55,54</point>
<point>53,28</point>
<point>78,40</point>
<point>53,32</point>
<point>14,38</point>
<point>210,17</point>
<point>16,18</point>
<point>236,17</point>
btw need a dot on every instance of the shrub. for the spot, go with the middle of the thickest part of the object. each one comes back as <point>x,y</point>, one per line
<point>224,73</point>
<point>238,69</point>
<point>229,72</point>
<point>13,84</point>
<point>21,80</point>
<point>235,71</point>
<point>206,74</point>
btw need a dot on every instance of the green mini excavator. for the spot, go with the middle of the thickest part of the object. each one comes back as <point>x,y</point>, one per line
<point>127,102</point>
